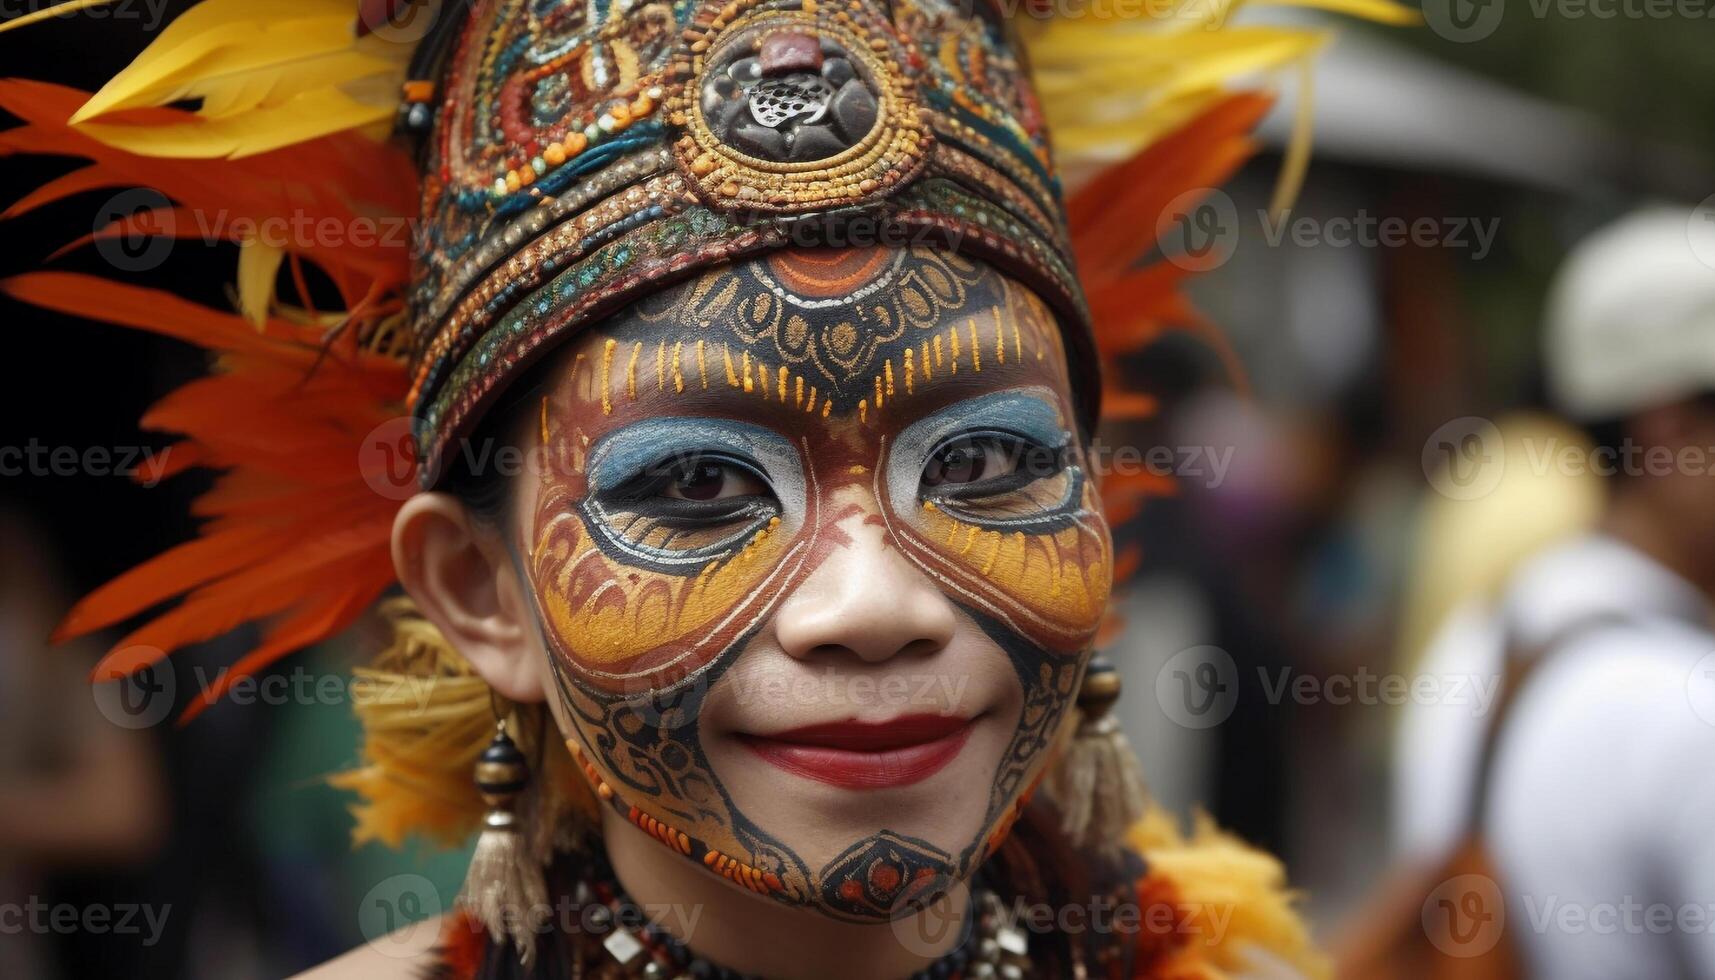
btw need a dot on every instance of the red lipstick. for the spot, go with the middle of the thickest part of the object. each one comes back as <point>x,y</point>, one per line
<point>866,755</point>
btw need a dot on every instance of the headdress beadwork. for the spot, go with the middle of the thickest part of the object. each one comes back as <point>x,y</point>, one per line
<point>586,154</point>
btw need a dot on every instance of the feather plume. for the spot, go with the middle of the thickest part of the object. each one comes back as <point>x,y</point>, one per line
<point>270,73</point>
<point>1134,305</point>
<point>295,536</point>
<point>1111,86</point>
<point>294,532</point>
<point>343,181</point>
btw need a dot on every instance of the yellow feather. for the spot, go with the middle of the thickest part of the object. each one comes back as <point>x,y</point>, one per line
<point>1297,162</point>
<point>48,13</point>
<point>1155,74</point>
<point>272,86</point>
<point>269,73</point>
<point>1237,897</point>
<point>258,266</point>
<point>304,117</point>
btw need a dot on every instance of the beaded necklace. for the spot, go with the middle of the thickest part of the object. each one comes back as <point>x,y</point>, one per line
<point>992,947</point>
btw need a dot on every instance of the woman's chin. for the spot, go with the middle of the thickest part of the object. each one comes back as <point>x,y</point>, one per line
<point>821,800</point>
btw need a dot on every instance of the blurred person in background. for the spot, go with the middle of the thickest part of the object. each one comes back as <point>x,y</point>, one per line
<point>76,791</point>
<point>1596,799</point>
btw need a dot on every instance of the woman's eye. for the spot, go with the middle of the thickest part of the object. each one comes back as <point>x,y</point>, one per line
<point>968,460</point>
<point>712,480</point>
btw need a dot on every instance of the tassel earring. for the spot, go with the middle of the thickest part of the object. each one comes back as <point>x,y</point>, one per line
<point>1098,785</point>
<point>504,888</point>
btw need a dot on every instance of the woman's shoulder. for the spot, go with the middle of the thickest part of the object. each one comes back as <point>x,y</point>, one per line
<point>409,954</point>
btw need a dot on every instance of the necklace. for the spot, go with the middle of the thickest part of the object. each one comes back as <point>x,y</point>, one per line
<point>992,948</point>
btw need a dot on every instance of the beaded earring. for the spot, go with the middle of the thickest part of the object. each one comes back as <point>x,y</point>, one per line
<point>504,888</point>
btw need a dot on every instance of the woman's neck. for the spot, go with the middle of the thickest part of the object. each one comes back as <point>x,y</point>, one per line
<point>754,935</point>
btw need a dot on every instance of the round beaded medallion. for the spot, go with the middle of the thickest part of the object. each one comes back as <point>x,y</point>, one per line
<point>799,110</point>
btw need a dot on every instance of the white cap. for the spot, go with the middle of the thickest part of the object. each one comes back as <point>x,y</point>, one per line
<point>1631,316</point>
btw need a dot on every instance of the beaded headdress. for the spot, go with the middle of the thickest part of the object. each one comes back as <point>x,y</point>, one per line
<point>583,153</point>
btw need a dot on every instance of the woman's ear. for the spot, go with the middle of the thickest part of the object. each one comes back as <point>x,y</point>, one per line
<point>464,581</point>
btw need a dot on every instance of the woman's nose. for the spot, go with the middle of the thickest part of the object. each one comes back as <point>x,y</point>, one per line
<point>865,600</point>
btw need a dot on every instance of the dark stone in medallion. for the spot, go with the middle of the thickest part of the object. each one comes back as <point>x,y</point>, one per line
<point>854,110</point>
<point>815,143</point>
<point>798,99</point>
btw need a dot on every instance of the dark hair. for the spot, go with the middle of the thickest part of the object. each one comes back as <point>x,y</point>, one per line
<point>486,491</point>
<point>1613,436</point>
<point>1608,438</point>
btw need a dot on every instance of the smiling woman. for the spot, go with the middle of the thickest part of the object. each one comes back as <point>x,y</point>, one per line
<point>762,655</point>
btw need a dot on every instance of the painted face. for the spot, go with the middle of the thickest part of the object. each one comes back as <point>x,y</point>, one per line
<point>818,566</point>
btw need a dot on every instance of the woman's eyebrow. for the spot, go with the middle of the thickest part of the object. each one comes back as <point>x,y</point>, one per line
<point>630,450</point>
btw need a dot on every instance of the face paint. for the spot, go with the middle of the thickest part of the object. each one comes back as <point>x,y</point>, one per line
<point>702,455</point>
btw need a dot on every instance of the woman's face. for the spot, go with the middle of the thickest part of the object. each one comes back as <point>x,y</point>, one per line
<point>817,566</point>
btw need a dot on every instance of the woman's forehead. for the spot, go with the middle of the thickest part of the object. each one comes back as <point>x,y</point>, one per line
<point>820,334</point>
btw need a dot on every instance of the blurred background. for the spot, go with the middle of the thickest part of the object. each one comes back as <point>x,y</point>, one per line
<point>1310,536</point>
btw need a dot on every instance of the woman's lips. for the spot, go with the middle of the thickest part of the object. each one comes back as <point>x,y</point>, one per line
<point>862,755</point>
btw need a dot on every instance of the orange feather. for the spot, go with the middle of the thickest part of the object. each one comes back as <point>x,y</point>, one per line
<point>1132,306</point>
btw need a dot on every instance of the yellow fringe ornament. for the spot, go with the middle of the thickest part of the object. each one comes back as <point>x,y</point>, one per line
<point>1096,784</point>
<point>427,717</point>
<point>1240,912</point>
